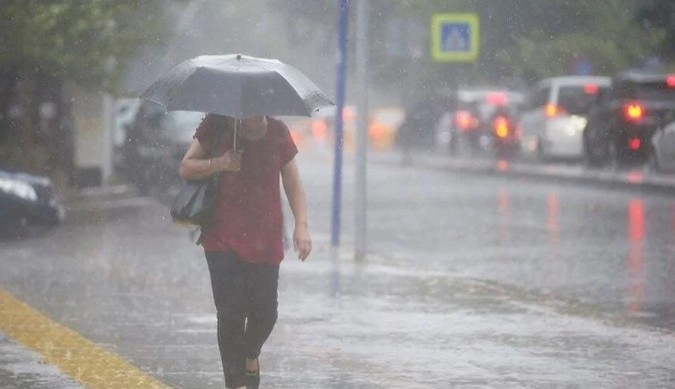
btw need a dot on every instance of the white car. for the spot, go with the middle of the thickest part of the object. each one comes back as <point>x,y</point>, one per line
<point>663,142</point>
<point>552,122</point>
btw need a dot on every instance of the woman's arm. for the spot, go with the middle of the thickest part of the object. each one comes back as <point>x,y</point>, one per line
<point>290,177</point>
<point>196,165</point>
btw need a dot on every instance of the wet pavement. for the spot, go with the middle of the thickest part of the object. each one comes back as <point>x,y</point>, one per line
<point>472,282</point>
<point>22,368</point>
<point>569,238</point>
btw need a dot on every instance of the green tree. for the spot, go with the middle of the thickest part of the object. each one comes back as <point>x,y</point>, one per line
<point>46,44</point>
<point>658,16</point>
<point>601,32</point>
<point>75,39</point>
<point>528,39</point>
<point>535,39</point>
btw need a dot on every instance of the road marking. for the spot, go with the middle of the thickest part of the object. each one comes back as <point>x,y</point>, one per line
<point>75,355</point>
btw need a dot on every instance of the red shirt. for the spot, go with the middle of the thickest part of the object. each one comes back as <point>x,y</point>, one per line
<point>249,219</point>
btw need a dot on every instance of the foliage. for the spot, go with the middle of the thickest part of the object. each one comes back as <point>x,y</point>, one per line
<point>659,15</point>
<point>528,39</point>
<point>77,39</point>
<point>47,44</point>
<point>534,39</point>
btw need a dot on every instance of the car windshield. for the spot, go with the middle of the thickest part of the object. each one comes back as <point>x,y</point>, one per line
<point>578,99</point>
<point>180,125</point>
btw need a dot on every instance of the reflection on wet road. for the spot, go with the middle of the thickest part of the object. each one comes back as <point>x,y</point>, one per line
<point>636,262</point>
<point>611,248</point>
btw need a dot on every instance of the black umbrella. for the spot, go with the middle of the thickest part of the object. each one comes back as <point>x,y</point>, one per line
<point>238,86</point>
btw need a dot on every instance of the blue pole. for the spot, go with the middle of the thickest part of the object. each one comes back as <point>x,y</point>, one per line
<point>343,13</point>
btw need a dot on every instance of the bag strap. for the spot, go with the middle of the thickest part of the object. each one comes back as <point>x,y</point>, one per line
<point>216,177</point>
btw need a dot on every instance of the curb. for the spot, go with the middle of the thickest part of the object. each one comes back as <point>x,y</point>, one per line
<point>637,179</point>
<point>109,192</point>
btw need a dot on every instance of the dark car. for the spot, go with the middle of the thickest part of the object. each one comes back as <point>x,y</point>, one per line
<point>625,116</point>
<point>27,203</point>
<point>156,143</point>
<point>505,138</point>
<point>483,119</point>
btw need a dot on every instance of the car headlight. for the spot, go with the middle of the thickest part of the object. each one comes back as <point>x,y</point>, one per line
<point>18,188</point>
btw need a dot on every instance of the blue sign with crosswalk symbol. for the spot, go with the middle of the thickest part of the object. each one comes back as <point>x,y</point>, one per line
<point>455,37</point>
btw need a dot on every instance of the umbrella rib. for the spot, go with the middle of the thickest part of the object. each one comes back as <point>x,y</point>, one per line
<point>156,102</point>
<point>179,86</point>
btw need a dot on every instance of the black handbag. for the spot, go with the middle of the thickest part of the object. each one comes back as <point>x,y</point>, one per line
<point>196,202</point>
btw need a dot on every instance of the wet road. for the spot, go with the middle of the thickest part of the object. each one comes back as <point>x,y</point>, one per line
<point>473,282</point>
<point>613,249</point>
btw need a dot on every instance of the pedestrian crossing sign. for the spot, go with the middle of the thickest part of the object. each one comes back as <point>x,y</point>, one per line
<point>455,37</point>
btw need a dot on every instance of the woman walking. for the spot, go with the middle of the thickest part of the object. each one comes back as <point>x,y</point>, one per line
<point>244,246</point>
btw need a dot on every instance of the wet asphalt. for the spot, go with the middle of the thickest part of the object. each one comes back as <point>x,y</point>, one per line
<point>473,281</point>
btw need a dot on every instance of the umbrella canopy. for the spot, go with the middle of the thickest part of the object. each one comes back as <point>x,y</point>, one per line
<point>237,86</point>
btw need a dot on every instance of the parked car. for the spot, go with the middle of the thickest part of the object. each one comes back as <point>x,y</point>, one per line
<point>28,202</point>
<point>156,143</point>
<point>555,114</point>
<point>621,125</point>
<point>469,125</point>
<point>663,143</point>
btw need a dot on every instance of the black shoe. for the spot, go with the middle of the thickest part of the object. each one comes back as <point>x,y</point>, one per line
<point>253,377</point>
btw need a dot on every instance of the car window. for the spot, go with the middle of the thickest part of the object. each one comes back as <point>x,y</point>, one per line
<point>146,122</point>
<point>180,126</point>
<point>578,99</point>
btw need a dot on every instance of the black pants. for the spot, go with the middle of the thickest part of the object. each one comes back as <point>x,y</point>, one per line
<point>246,300</point>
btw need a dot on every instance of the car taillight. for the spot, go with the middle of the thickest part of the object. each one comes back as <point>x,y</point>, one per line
<point>670,81</point>
<point>634,143</point>
<point>495,98</point>
<point>634,111</point>
<point>464,120</point>
<point>501,127</point>
<point>553,110</point>
<point>591,89</point>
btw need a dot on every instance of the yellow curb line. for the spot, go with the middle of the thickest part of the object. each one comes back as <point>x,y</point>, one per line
<point>75,355</point>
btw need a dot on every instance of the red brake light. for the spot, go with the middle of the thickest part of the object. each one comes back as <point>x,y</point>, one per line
<point>495,98</point>
<point>634,111</point>
<point>501,127</point>
<point>670,81</point>
<point>634,143</point>
<point>591,89</point>
<point>464,120</point>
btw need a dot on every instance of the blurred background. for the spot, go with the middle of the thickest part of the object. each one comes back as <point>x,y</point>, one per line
<point>70,71</point>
